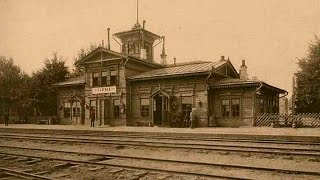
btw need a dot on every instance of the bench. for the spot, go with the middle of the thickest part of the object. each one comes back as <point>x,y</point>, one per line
<point>144,123</point>
<point>43,121</point>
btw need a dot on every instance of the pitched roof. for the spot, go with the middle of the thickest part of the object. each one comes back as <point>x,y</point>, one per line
<point>120,55</point>
<point>196,67</point>
<point>233,82</point>
<point>135,30</point>
<point>79,80</point>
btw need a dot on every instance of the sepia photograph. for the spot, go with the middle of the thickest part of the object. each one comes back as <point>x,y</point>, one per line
<point>159,90</point>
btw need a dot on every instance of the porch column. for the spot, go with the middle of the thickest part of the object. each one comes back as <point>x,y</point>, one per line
<point>162,111</point>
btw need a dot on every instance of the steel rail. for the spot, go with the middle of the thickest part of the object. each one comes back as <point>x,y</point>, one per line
<point>170,161</point>
<point>21,174</point>
<point>144,141</point>
<point>227,139</point>
<point>174,136</point>
<point>131,167</point>
<point>236,148</point>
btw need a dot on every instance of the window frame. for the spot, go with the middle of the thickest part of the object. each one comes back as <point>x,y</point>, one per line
<point>225,112</point>
<point>113,78</point>
<point>131,48</point>
<point>144,107</point>
<point>67,110</point>
<point>234,112</point>
<point>104,78</point>
<point>95,80</point>
<point>233,109</point>
<point>76,109</point>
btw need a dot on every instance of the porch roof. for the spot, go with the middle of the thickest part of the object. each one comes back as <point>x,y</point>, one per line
<point>79,80</point>
<point>232,83</point>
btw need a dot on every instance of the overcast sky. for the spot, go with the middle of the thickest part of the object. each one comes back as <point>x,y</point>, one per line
<point>268,34</point>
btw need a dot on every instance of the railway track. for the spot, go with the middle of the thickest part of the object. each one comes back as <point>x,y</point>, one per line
<point>22,174</point>
<point>203,169</point>
<point>190,168</point>
<point>164,136</point>
<point>301,151</point>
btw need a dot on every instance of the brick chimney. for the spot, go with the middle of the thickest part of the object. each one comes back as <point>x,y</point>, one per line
<point>243,71</point>
<point>108,29</point>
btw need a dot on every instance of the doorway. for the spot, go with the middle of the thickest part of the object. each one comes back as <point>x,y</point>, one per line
<point>160,110</point>
<point>104,111</point>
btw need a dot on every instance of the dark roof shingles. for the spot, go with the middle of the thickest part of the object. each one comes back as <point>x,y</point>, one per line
<point>228,82</point>
<point>72,81</point>
<point>179,69</point>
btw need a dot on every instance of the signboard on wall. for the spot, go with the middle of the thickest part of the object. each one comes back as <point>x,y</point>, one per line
<point>104,90</point>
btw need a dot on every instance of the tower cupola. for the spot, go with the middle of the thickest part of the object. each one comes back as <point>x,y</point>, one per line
<point>138,42</point>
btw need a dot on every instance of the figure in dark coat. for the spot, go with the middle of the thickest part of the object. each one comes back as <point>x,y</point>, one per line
<point>93,118</point>
<point>6,119</point>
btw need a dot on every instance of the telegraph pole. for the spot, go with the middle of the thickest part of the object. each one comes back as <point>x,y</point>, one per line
<point>293,99</point>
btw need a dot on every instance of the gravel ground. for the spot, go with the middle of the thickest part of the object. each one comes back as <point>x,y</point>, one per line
<point>250,159</point>
<point>289,162</point>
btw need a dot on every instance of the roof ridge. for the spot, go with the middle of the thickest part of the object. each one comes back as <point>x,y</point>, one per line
<point>189,63</point>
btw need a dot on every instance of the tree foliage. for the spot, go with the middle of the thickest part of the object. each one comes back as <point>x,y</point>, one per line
<point>21,93</point>
<point>43,94</point>
<point>308,80</point>
<point>78,71</point>
<point>12,82</point>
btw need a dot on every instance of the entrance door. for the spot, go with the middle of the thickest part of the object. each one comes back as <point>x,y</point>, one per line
<point>157,110</point>
<point>106,111</point>
<point>160,110</point>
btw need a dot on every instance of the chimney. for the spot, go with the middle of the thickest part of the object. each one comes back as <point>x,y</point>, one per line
<point>108,29</point>
<point>163,55</point>
<point>222,58</point>
<point>102,43</point>
<point>174,61</point>
<point>143,24</point>
<point>243,71</point>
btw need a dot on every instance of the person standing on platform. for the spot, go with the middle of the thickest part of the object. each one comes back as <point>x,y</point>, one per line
<point>192,118</point>
<point>92,117</point>
<point>6,119</point>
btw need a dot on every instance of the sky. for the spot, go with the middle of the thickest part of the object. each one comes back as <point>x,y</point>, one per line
<point>269,34</point>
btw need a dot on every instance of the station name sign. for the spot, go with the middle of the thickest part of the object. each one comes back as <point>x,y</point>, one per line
<point>104,90</point>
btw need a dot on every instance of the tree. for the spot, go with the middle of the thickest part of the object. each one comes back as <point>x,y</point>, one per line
<point>77,70</point>
<point>44,96</point>
<point>12,92</point>
<point>308,80</point>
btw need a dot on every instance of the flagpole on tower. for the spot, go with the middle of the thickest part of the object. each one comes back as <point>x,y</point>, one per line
<point>137,11</point>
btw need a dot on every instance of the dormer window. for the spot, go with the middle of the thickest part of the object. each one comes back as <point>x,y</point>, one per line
<point>104,78</point>
<point>125,48</point>
<point>131,48</point>
<point>137,48</point>
<point>95,79</point>
<point>113,77</point>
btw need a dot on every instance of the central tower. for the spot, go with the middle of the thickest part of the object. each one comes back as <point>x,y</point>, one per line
<point>138,42</point>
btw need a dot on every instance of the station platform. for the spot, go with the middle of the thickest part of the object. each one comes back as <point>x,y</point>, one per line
<point>265,133</point>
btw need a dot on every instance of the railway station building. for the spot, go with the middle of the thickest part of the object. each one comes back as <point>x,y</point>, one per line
<point>131,88</point>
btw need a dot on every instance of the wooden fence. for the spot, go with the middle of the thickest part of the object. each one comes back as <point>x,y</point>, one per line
<point>281,120</point>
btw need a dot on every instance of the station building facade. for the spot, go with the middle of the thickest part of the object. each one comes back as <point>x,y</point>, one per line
<point>129,88</point>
